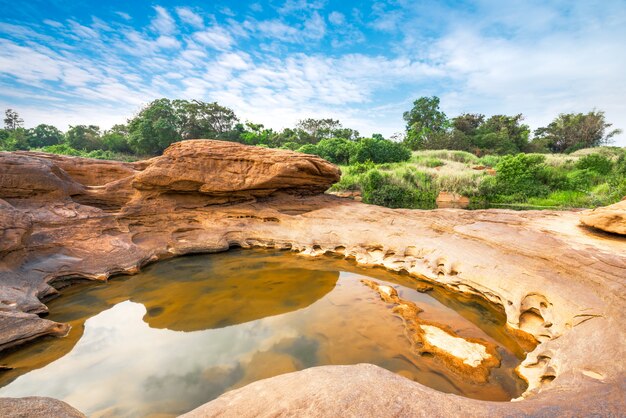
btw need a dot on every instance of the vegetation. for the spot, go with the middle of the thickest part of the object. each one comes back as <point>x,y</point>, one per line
<point>564,164</point>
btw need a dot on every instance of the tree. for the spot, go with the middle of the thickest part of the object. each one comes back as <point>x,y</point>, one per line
<point>83,137</point>
<point>335,150</point>
<point>319,129</point>
<point>44,135</point>
<point>379,151</point>
<point>501,134</point>
<point>197,119</point>
<point>12,120</point>
<point>116,139</point>
<point>154,128</point>
<point>16,139</point>
<point>572,131</point>
<point>424,121</point>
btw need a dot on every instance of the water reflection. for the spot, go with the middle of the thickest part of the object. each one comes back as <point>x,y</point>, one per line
<point>186,330</point>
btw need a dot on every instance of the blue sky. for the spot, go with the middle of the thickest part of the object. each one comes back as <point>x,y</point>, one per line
<point>277,61</point>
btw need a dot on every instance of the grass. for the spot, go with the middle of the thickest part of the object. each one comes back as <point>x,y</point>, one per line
<point>561,183</point>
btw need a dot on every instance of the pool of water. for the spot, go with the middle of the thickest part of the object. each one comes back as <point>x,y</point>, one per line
<point>186,330</point>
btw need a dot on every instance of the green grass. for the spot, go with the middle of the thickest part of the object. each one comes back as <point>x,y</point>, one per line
<point>559,182</point>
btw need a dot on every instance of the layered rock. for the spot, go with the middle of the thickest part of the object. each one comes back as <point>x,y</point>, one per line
<point>554,279</point>
<point>609,219</point>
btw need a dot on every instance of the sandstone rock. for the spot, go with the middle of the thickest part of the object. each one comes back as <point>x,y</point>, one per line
<point>37,407</point>
<point>22,176</point>
<point>609,218</point>
<point>452,200</point>
<point>551,278</point>
<point>229,169</point>
<point>18,327</point>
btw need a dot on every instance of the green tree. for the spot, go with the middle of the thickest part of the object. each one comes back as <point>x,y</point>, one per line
<point>319,129</point>
<point>83,137</point>
<point>379,151</point>
<point>335,150</point>
<point>501,134</point>
<point>197,119</point>
<point>12,120</point>
<point>44,135</point>
<point>572,131</point>
<point>154,128</point>
<point>424,122</point>
<point>116,139</point>
<point>16,139</point>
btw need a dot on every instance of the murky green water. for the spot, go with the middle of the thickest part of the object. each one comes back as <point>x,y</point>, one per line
<point>186,330</point>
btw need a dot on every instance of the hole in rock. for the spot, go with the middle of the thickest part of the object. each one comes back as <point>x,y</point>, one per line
<point>185,330</point>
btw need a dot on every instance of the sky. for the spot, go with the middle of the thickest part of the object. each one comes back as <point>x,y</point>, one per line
<point>278,61</point>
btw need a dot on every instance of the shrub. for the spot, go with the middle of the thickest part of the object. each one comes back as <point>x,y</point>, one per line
<point>360,168</point>
<point>519,175</point>
<point>411,190</point>
<point>379,151</point>
<point>308,149</point>
<point>595,162</point>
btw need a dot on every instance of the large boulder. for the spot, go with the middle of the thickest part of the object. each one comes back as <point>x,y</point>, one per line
<point>610,218</point>
<point>37,407</point>
<point>25,177</point>
<point>217,168</point>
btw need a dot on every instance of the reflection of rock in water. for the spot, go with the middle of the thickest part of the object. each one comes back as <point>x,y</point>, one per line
<point>227,290</point>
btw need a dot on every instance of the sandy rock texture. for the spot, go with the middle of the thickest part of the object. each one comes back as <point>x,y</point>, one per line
<point>609,218</point>
<point>62,221</point>
<point>37,407</point>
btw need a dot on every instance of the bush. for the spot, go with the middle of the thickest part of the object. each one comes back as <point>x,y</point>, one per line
<point>379,151</point>
<point>519,176</point>
<point>360,168</point>
<point>380,189</point>
<point>308,149</point>
<point>595,162</point>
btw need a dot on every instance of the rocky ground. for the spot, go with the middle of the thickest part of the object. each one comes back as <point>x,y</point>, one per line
<point>64,219</point>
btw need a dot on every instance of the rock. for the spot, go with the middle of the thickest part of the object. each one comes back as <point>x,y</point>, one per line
<point>470,358</point>
<point>366,390</point>
<point>25,177</point>
<point>218,168</point>
<point>554,280</point>
<point>452,200</point>
<point>19,327</point>
<point>609,218</point>
<point>37,407</point>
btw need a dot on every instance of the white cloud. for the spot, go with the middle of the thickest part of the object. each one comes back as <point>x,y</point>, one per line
<point>167,42</point>
<point>163,23</point>
<point>123,15</point>
<point>188,16</point>
<point>53,23</point>
<point>336,18</point>
<point>215,37</point>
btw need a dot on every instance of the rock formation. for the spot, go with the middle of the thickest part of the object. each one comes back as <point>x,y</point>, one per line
<point>609,219</point>
<point>64,219</point>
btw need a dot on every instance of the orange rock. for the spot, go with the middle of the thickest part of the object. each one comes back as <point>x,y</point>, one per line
<point>452,200</point>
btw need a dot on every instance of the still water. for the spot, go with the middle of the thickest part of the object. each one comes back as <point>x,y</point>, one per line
<point>186,330</point>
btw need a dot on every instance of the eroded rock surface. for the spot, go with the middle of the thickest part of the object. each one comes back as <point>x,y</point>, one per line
<point>554,279</point>
<point>609,219</point>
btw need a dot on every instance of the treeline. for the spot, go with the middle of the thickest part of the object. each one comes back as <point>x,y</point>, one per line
<point>427,127</point>
<point>165,121</point>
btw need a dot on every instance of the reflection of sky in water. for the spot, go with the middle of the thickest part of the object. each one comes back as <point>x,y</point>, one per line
<point>130,363</point>
<point>118,341</point>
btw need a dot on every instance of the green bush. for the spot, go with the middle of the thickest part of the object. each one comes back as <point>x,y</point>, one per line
<point>379,151</point>
<point>595,162</point>
<point>519,176</point>
<point>308,149</point>
<point>360,168</point>
<point>380,189</point>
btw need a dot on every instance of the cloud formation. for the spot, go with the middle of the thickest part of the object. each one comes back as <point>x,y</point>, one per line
<point>277,63</point>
